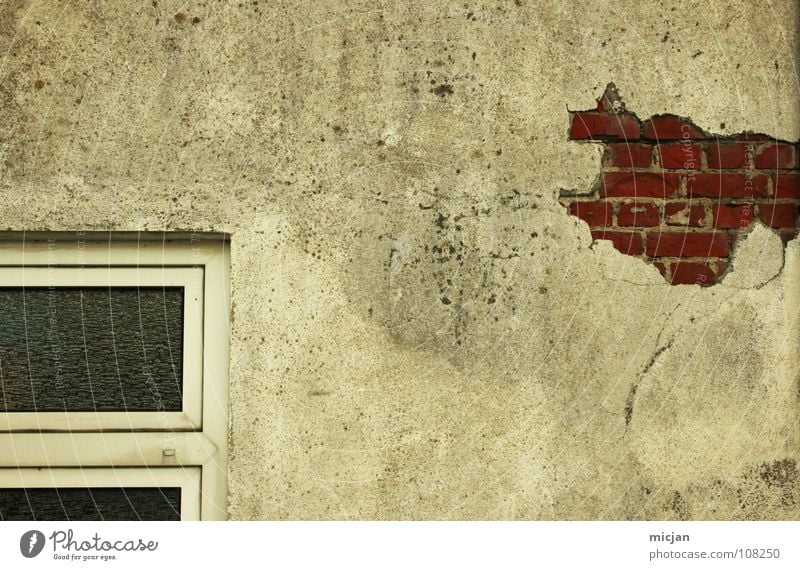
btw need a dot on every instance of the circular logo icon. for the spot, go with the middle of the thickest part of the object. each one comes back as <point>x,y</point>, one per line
<point>31,543</point>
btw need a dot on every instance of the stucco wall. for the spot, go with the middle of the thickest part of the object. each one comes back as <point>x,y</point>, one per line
<point>420,330</point>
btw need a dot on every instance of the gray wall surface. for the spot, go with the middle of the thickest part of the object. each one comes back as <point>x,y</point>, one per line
<point>419,328</point>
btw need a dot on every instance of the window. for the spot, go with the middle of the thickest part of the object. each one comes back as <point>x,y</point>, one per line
<point>113,376</point>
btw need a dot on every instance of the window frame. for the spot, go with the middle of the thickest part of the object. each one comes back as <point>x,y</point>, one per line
<point>123,441</point>
<point>189,277</point>
<point>188,479</point>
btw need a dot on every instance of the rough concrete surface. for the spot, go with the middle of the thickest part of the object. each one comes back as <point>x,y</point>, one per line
<point>420,330</point>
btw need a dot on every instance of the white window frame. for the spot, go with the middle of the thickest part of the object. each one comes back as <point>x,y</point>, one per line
<point>130,442</point>
<point>187,479</point>
<point>191,278</point>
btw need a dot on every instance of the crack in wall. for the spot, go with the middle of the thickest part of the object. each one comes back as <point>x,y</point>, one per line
<point>658,352</point>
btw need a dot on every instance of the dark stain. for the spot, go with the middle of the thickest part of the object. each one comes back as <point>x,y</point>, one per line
<point>319,393</point>
<point>446,301</point>
<point>38,84</point>
<point>542,290</point>
<point>171,44</point>
<point>514,253</point>
<point>779,473</point>
<point>629,404</point>
<point>443,90</point>
<point>514,200</point>
<point>678,505</point>
<point>195,21</point>
<point>180,17</point>
<point>444,252</point>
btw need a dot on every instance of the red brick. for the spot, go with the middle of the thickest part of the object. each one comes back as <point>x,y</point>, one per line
<point>687,244</point>
<point>722,266</point>
<point>691,273</point>
<point>631,155</point>
<point>683,214</point>
<point>670,127</point>
<point>680,155</point>
<point>786,185</point>
<point>593,213</point>
<point>640,184</point>
<point>726,185</point>
<point>777,155</point>
<point>630,243</point>
<point>728,155</point>
<point>778,215</point>
<point>662,267</point>
<point>594,125</point>
<point>642,214</point>
<point>732,216</point>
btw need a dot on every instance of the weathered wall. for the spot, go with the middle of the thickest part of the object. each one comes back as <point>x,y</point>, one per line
<point>420,330</point>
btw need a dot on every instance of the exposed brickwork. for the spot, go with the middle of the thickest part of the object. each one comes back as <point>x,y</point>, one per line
<point>679,197</point>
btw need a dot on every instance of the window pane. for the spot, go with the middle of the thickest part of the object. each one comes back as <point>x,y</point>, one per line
<point>91,349</point>
<point>93,504</point>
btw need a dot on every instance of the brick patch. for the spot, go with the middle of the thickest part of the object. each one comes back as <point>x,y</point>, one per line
<point>679,197</point>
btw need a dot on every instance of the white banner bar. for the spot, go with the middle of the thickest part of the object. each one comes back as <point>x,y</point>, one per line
<point>388,545</point>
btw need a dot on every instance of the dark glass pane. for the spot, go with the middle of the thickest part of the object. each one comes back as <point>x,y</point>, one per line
<point>91,349</point>
<point>94,504</point>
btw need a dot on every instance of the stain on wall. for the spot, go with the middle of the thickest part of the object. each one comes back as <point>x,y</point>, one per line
<point>420,330</point>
